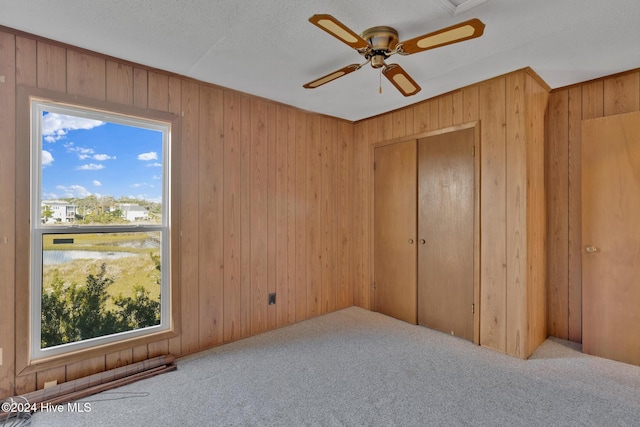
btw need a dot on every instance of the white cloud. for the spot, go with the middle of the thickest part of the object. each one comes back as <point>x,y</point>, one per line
<point>46,158</point>
<point>82,152</point>
<point>157,177</point>
<point>90,167</point>
<point>73,191</point>
<point>50,196</point>
<point>103,157</point>
<point>154,165</point>
<point>96,183</point>
<point>151,155</point>
<point>56,126</point>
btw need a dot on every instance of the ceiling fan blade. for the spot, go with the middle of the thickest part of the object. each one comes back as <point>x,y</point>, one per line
<point>332,76</point>
<point>454,34</point>
<point>400,79</point>
<point>340,31</point>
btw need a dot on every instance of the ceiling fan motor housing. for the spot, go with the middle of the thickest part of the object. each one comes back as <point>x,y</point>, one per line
<point>382,40</point>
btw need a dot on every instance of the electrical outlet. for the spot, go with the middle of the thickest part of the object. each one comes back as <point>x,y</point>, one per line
<point>272,299</point>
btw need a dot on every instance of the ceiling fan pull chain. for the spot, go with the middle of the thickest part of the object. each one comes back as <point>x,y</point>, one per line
<point>380,87</point>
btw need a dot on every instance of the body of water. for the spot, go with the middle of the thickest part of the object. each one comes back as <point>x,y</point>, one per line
<point>50,257</point>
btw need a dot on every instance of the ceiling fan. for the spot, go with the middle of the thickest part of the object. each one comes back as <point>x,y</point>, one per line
<point>378,43</point>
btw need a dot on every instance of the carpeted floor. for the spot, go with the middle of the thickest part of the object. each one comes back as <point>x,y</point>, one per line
<point>359,368</point>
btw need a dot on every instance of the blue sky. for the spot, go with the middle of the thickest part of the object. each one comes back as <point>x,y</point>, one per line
<point>82,157</point>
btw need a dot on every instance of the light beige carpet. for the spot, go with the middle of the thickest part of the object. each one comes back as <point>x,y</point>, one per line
<point>359,368</point>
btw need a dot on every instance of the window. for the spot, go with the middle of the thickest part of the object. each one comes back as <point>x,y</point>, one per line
<point>100,219</point>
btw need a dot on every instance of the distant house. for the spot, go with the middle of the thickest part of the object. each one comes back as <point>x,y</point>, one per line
<point>133,212</point>
<point>61,211</point>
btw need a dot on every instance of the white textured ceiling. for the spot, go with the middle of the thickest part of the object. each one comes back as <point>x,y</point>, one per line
<point>269,49</point>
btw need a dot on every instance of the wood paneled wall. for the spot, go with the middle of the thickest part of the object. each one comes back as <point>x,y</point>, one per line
<point>274,199</point>
<point>510,110</point>
<point>567,108</point>
<point>265,204</point>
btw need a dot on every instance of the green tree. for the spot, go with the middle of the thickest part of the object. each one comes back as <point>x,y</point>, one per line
<point>73,313</point>
<point>46,212</point>
<point>55,314</point>
<point>90,318</point>
<point>139,311</point>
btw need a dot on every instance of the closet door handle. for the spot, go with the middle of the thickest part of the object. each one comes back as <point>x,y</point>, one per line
<point>411,241</point>
<point>422,241</point>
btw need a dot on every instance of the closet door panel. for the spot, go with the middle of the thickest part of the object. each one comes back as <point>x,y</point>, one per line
<point>395,230</point>
<point>446,232</point>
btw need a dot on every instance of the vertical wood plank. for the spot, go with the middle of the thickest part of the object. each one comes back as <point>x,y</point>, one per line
<point>593,100</point>
<point>445,111</point>
<point>158,98</point>
<point>272,260</point>
<point>357,217</point>
<point>85,367</point>
<point>557,163</point>
<point>210,215</point>
<point>140,87</point>
<point>537,98</point>
<point>314,225</point>
<point>399,123</point>
<point>158,348</point>
<point>622,94</point>
<point>86,75</point>
<point>52,67</point>
<point>259,216</point>
<point>7,216</point>
<point>367,241</point>
<point>232,191</point>
<point>281,258</point>
<point>516,218</point>
<point>113,360</point>
<point>246,302</point>
<point>26,62</point>
<point>189,208</point>
<point>119,83</point>
<point>434,114</point>
<point>328,219</point>
<point>574,208</point>
<point>385,126</point>
<point>470,103</point>
<point>345,207</point>
<point>421,118</point>
<point>493,216</point>
<point>55,374</point>
<point>140,353</point>
<point>408,121</point>
<point>458,107</point>
<point>291,300</point>
<point>301,216</point>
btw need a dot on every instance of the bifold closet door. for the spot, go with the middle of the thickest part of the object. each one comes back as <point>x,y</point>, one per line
<point>395,230</point>
<point>446,232</point>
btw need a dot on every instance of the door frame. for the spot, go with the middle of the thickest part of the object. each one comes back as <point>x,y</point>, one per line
<point>476,206</point>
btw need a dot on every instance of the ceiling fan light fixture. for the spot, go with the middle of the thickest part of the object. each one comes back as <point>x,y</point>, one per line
<point>381,38</point>
<point>377,44</point>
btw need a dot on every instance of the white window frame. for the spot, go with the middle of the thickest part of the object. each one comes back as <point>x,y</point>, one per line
<point>37,107</point>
